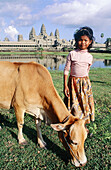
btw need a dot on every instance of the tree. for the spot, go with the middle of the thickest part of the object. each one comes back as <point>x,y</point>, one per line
<point>41,49</point>
<point>102,35</point>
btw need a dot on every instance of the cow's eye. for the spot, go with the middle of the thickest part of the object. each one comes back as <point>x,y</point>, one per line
<point>74,143</point>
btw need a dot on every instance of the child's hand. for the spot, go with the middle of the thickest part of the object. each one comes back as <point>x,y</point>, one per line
<point>66,91</point>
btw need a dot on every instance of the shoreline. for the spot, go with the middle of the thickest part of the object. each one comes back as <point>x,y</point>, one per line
<point>43,53</point>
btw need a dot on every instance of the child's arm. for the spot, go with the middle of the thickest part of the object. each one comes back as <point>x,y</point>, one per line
<point>66,89</point>
<point>66,72</point>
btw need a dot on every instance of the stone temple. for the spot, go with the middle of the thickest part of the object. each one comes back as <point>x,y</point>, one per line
<point>43,41</point>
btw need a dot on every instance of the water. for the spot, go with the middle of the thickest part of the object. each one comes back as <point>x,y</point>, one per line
<point>98,63</point>
<point>52,62</point>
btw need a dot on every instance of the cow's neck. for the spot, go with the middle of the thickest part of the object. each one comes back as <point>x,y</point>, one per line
<point>56,109</point>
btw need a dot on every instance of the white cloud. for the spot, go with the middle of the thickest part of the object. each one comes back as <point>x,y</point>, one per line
<point>26,20</point>
<point>11,32</point>
<point>61,13</point>
<point>16,12</point>
<point>13,9</point>
<point>80,12</point>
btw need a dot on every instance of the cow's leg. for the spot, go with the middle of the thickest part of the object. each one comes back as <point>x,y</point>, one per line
<point>20,122</point>
<point>40,140</point>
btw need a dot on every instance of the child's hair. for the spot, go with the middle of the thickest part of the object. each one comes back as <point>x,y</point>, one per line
<point>84,31</point>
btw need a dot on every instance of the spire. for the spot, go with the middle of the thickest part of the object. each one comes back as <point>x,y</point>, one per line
<point>51,34</point>
<point>6,39</point>
<point>57,33</point>
<point>43,30</point>
<point>32,33</point>
<point>20,37</point>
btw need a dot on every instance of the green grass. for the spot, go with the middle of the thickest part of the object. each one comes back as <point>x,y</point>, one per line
<point>34,53</point>
<point>95,55</point>
<point>31,157</point>
<point>102,55</point>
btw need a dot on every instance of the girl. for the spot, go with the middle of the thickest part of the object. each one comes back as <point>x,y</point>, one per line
<point>78,92</point>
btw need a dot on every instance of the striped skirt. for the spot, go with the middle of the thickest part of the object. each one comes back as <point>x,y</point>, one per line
<point>80,102</point>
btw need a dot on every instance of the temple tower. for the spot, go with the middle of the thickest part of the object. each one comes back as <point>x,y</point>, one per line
<point>43,30</point>
<point>51,34</point>
<point>57,33</point>
<point>32,33</point>
<point>6,39</point>
<point>20,37</point>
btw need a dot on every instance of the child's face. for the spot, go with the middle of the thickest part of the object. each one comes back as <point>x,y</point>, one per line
<point>84,42</point>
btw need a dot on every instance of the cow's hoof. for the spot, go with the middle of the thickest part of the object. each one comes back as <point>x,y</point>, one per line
<point>43,145</point>
<point>45,148</point>
<point>23,142</point>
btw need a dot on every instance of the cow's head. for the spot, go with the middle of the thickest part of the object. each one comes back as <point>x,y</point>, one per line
<point>72,134</point>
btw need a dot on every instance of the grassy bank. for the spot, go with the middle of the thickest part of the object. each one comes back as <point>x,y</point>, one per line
<point>102,55</point>
<point>31,157</point>
<point>95,55</point>
<point>34,53</point>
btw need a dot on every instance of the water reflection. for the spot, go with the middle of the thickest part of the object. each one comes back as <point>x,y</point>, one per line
<point>107,62</point>
<point>52,62</point>
<point>101,63</point>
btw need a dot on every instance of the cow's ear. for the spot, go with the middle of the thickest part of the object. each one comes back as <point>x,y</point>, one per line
<point>58,127</point>
<point>64,125</point>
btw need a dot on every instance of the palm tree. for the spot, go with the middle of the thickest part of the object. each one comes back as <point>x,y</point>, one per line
<point>102,35</point>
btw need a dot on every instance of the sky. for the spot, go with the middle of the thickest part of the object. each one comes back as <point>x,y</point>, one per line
<point>19,16</point>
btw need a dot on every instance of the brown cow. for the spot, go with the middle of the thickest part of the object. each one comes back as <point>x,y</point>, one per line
<point>28,87</point>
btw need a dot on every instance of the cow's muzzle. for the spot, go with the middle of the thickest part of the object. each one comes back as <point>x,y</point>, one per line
<point>78,164</point>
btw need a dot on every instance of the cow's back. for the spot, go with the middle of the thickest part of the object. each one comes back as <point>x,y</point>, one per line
<point>8,74</point>
<point>34,84</point>
<point>27,85</point>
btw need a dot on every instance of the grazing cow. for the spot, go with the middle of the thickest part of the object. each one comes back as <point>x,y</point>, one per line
<point>28,87</point>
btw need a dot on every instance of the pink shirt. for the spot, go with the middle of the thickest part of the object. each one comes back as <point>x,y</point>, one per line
<point>78,61</point>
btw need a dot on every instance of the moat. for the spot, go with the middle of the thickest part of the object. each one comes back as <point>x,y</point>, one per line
<point>52,62</point>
